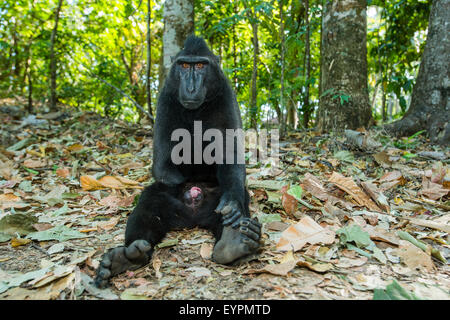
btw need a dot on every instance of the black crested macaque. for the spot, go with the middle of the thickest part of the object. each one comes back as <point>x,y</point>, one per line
<point>209,195</point>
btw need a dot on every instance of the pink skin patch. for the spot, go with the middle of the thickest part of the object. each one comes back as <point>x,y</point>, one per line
<point>195,192</point>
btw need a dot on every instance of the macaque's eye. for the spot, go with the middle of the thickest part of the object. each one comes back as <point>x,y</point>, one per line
<point>199,66</point>
<point>185,65</point>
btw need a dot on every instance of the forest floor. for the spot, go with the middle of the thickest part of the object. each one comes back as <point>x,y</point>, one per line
<point>362,216</point>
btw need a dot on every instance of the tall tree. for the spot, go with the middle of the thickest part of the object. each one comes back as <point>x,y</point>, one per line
<point>178,24</point>
<point>53,58</point>
<point>344,101</point>
<point>430,100</point>
<point>149,61</point>
<point>291,111</point>
<point>253,110</point>
<point>306,106</point>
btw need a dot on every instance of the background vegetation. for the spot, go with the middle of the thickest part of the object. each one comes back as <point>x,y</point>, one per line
<point>101,44</point>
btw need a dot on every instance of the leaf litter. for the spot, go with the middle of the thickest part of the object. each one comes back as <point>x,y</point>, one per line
<point>343,217</point>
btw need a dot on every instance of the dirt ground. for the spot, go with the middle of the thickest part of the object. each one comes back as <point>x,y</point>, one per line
<point>370,221</point>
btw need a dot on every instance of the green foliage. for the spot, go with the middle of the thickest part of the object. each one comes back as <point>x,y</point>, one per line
<point>102,43</point>
<point>396,38</point>
<point>394,291</point>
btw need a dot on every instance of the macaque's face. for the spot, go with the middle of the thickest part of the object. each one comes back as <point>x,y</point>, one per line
<point>193,197</point>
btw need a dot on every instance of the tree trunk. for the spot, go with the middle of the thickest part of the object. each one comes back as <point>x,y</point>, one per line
<point>306,106</point>
<point>53,59</point>
<point>290,115</point>
<point>254,95</point>
<point>344,101</point>
<point>30,92</point>
<point>235,10</point>
<point>178,25</point>
<point>149,60</point>
<point>430,99</point>
<point>27,76</point>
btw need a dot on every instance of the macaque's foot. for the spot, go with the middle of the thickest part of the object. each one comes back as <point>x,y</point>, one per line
<point>120,259</point>
<point>237,242</point>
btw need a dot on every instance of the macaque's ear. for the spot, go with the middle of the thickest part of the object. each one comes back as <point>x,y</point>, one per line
<point>172,59</point>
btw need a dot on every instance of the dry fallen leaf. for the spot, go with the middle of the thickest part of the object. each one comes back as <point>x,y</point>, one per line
<point>382,158</point>
<point>8,197</point>
<point>288,202</point>
<point>376,195</point>
<point>391,179</point>
<point>90,183</point>
<point>313,186</point>
<point>317,267</point>
<point>156,266</point>
<point>432,190</point>
<point>30,163</point>
<point>16,242</point>
<point>75,147</point>
<point>305,231</point>
<point>108,225</point>
<point>6,168</point>
<point>206,250</point>
<point>414,257</point>
<point>115,201</point>
<point>348,185</point>
<point>63,172</point>
<point>431,224</point>
<point>280,269</point>
<point>10,200</point>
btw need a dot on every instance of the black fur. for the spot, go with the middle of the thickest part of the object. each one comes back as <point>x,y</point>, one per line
<point>160,207</point>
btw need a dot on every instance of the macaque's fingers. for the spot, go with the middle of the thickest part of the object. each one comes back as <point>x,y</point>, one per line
<point>249,233</point>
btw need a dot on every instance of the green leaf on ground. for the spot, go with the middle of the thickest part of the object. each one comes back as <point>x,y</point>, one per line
<point>394,291</point>
<point>60,233</point>
<point>354,233</point>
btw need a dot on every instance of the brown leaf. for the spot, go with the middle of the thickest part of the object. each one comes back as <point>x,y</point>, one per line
<point>75,147</point>
<point>10,200</point>
<point>42,226</point>
<point>156,266</point>
<point>63,172</point>
<point>379,234</point>
<point>414,257</point>
<point>277,226</point>
<point>113,182</point>
<point>30,163</point>
<point>349,186</point>
<point>391,179</point>
<point>383,159</point>
<point>317,267</point>
<point>314,186</point>
<point>9,197</point>
<point>305,231</point>
<point>16,242</point>
<point>6,168</point>
<point>430,224</point>
<point>90,183</point>
<point>108,225</point>
<point>432,190</point>
<point>206,250</point>
<point>376,195</point>
<point>126,181</point>
<point>288,202</point>
<point>281,269</point>
<point>438,172</point>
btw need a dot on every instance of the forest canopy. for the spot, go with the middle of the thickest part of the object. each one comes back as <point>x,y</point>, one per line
<point>101,55</point>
